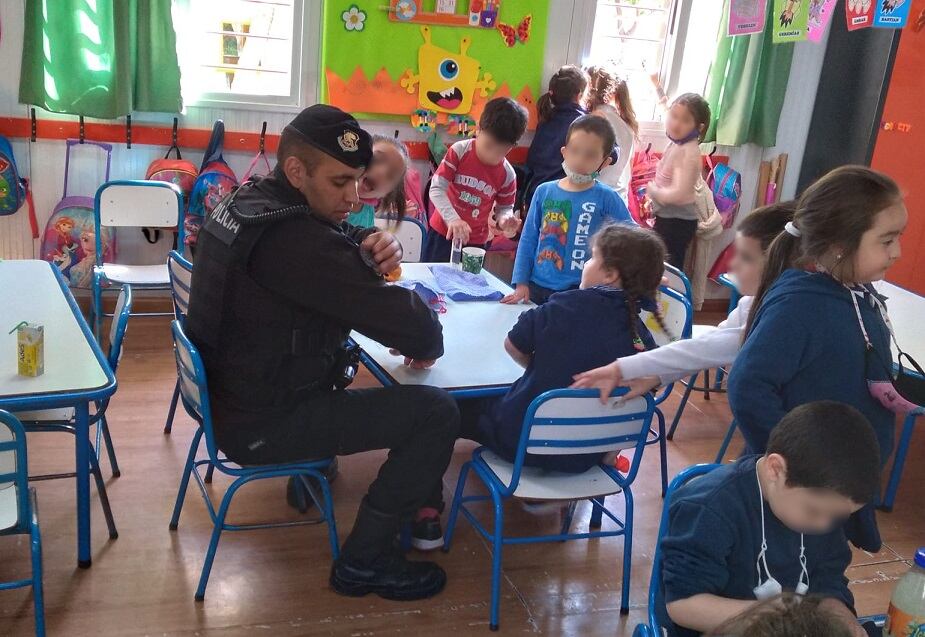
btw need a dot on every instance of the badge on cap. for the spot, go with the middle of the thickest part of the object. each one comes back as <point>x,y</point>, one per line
<point>349,142</point>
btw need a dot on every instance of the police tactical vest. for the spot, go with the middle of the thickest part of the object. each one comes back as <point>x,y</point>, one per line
<point>262,352</point>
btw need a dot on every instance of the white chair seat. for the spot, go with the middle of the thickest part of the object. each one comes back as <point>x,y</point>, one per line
<point>46,415</point>
<point>137,274</point>
<point>9,514</point>
<point>700,330</point>
<point>539,484</point>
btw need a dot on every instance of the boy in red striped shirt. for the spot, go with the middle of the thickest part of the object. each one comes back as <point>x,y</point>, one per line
<point>474,180</point>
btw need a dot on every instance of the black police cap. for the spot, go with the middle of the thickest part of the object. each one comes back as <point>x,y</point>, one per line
<point>335,133</point>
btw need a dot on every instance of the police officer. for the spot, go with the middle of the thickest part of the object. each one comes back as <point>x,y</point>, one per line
<point>280,281</point>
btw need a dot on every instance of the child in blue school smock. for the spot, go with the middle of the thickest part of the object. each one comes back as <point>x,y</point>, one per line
<point>817,329</point>
<point>574,331</point>
<point>745,532</point>
<point>565,214</point>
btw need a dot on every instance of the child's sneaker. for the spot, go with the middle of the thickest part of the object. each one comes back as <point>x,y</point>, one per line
<point>426,531</point>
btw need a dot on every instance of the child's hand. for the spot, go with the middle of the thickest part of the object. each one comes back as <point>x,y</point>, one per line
<point>510,224</point>
<point>521,294</point>
<point>459,229</point>
<point>604,379</point>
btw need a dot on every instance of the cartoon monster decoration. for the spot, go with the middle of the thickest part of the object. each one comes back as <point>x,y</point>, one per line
<point>446,82</point>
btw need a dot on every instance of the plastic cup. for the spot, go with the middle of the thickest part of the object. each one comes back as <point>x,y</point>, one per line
<point>473,259</point>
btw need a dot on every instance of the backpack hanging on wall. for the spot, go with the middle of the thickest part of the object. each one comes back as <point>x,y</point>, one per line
<point>726,186</point>
<point>70,237</point>
<point>14,190</point>
<point>643,171</point>
<point>180,172</point>
<point>215,181</point>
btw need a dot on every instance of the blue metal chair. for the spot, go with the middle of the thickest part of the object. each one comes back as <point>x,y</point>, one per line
<point>679,282</point>
<point>678,316</point>
<point>180,272</point>
<point>195,397</point>
<point>899,461</point>
<point>653,628</point>
<point>729,281</point>
<point>133,203</point>
<point>18,511</point>
<point>63,419</point>
<point>560,422</point>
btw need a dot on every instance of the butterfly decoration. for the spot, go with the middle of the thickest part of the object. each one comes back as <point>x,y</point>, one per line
<point>512,35</point>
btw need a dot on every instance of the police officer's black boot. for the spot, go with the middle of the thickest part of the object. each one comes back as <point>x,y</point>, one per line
<point>370,564</point>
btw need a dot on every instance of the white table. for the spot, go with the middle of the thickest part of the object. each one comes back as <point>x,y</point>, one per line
<point>76,371</point>
<point>474,362</point>
<point>906,309</point>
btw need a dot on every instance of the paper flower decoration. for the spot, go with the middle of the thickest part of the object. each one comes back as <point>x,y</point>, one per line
<point>354,18</point>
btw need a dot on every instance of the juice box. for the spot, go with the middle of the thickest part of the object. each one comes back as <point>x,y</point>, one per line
<point>30,349</point>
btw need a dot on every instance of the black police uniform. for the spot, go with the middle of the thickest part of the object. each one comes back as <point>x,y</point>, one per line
<point>275,293</point>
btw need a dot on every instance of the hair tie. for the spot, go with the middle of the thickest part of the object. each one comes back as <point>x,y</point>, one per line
<point>792,230</point>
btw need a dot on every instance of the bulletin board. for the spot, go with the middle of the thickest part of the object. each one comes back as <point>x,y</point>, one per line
<point>372,51</point>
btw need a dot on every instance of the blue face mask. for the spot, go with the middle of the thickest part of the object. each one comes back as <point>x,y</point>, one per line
<point>694,134</point>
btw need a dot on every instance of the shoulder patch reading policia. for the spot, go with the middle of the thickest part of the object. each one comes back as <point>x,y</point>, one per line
<point>221,223</point>
<point>349,142</point>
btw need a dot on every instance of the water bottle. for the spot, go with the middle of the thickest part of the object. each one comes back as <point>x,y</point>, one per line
<point>456,253</point>
<point>906,617</point>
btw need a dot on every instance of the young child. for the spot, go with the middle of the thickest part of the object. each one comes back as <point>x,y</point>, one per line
<point>609,97</point>
<point>714,348</point>
<point>473,180</point>
<point>747,530</point>
<point>574,331</point>
<point>382,187</point>
<point>817,328</point>
<point>565,214</point>
<point>556,110</point>
<point>672,193</point>
<point>787,615</point>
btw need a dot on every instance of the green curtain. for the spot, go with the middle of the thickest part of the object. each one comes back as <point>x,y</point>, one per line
<point>100,58</point>
<point>747,85</point>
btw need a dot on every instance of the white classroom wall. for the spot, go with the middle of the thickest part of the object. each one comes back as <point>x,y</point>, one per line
<point>43,161</point>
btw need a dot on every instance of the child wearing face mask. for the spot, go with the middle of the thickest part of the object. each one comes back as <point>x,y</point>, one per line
<point>672,194</point>
<point>714,348</point>
<point>747,531</point>
<point>382,187</point>
<point>565,214</point>
<point>817,328</point>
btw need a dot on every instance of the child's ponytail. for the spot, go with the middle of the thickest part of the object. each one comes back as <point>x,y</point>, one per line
<point>831,217</point>
<point>567,85</point>
<point>607,88</point>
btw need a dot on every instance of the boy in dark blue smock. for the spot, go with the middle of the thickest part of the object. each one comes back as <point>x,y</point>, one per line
<point>736,535</point>
<point>573,332</point>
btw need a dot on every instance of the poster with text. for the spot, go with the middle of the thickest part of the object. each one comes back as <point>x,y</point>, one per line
<point>859,14</point>
<point>747,16</point>
<point>892,14</point>
<point>820,14</point>
<point>790,18</point>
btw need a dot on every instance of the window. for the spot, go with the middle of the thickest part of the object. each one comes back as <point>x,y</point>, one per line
<point>241,51</point>
<point>645,41</point>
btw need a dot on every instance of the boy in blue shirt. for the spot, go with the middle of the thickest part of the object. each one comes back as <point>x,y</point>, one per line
<point>749,529</point>
<point>565,214</point>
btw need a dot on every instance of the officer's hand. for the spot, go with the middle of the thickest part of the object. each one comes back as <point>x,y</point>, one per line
<point>385,250</point>
<point>414,363</point>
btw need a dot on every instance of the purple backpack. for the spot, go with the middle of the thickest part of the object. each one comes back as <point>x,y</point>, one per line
<point>70,235</point>
<point>726,186</point>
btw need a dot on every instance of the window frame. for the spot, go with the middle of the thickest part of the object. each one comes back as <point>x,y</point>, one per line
<point>304,65</point>
<point>582,33</point>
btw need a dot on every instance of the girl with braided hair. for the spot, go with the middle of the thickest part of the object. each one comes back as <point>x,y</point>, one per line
<point>574,331</point>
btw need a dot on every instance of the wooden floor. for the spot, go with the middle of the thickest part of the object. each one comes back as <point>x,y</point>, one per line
<point>274,582</point>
